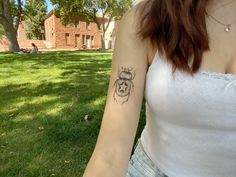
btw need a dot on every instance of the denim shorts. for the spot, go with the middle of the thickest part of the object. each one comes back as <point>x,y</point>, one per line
<point>140,165</point>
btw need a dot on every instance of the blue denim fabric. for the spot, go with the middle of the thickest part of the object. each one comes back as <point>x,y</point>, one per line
<point>140,165</point>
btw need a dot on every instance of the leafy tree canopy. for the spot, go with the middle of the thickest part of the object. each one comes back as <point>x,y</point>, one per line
<point>72,11</point>
<point>102,12</point>
<point>2,32</point>
<point>10,17</point>
<point>34,15</point>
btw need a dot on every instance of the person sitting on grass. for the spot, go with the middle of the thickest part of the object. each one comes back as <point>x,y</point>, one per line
<point>34,49</point>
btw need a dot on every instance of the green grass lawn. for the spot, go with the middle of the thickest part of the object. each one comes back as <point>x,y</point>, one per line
<point>44,99</point>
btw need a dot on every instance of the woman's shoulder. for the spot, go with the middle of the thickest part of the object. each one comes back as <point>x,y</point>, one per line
<point>132,17</point>
<point>128,37</point>
<point>131,21</point>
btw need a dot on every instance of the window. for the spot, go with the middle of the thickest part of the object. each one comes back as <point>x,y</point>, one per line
<point>67,38</point>
<point>77,40</point>
<point>88,25</point>
<point>83,39</point>
<point>88,41</point>
<point>92,40</point>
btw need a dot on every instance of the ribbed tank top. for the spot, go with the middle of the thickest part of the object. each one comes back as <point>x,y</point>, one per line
<point>190,122</point>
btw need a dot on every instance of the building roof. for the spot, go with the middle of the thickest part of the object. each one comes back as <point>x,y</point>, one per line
<point>54,12</point>
<point>50,14</point>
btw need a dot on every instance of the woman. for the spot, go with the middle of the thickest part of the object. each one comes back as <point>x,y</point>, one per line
<point>183,53</point>
<point>34,49</point>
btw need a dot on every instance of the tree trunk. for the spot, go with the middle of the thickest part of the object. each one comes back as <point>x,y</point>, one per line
<point>7,23</point>
<point>103,42</point>
<point>103,47</point>
<point>11,36</point>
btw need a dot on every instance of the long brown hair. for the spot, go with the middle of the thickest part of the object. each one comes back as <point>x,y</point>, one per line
<point>178,29</point>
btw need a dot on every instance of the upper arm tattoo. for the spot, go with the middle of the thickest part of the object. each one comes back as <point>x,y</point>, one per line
<point>124,85</point>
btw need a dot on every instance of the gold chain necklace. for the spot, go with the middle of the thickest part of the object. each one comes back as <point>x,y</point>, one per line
<point>227,27</point>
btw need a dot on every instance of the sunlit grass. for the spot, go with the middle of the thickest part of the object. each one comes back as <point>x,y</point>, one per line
<point>51,107</point>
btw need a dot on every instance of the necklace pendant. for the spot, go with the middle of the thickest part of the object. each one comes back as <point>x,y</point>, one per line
<point>227,28</point>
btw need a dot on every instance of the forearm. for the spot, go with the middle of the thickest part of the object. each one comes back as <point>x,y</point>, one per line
<point>111,155</point>
<point>101,167</point>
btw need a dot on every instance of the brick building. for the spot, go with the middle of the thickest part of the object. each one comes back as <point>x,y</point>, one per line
<point>84,35</point>
<point>58,36</point>
<point>24,42</point>
<point>3,44</point>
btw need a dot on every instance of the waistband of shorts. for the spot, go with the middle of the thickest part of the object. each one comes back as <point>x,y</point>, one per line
<point>139,151</point>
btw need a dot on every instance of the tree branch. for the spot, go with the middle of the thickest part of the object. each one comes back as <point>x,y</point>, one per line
<point>108,24</point>
<point>1,8</point>
<point>19,14</point>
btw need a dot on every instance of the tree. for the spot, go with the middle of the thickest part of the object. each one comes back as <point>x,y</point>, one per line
<point>2,32</point>
<point>35,12</point>
<point>10,17</point>
<point>102,12</point>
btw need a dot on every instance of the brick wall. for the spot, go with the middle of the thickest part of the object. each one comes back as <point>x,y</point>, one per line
<point>59,36</point>
<point>3,45</point>
<point>27,44</point>
<point>49,25</point>
<point>21,32</point>
<point>69,36</point>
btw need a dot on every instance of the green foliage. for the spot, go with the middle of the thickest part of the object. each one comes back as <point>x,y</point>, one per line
<point>17,11</point>
<point>71,11</point>
<point>102,12</point>
<point>44,101</point>
<point>119,7</point>
<point>32,11</point>
<point>35,12</point>
<point>10,17</point>
<point>14,8</point>
<point>2,32</point>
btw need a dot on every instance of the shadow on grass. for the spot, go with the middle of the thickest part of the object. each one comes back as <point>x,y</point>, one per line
<point>44,101</point>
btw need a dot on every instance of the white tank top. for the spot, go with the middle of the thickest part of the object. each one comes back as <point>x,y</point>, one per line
<point>191,122</point>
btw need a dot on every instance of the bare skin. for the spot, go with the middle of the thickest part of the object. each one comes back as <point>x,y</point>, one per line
<point>121,115</point>
<point>126,89</point>
<point>222,56</point>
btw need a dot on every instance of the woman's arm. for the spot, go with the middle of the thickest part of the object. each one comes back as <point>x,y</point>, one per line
<point>120,120</point>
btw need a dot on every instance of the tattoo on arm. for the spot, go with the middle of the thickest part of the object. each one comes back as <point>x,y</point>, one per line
<point>124,85</point>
